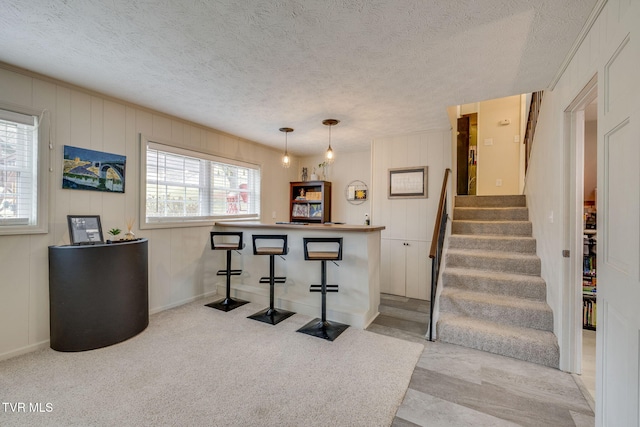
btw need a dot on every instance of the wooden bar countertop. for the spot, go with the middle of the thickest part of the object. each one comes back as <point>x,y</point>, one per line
<point>302,226</point>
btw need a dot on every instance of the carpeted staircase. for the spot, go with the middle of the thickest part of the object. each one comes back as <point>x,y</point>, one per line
<point>493,298</point>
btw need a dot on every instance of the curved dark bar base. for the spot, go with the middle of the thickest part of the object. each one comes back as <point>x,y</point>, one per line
<point>98,294</point>
<point>327,330</point>
<point>271,315</point>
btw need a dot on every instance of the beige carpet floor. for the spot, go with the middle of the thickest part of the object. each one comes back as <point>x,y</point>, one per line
<point>198,366</point>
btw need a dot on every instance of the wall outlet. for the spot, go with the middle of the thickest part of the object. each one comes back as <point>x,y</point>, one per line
<point>273,214</point>
<point>516,138</point>
<point>488,141</point>
<point>498,182</point>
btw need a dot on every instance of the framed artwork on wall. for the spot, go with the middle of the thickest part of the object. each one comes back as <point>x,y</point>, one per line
<point>93,170</point>
<point>408,183</point>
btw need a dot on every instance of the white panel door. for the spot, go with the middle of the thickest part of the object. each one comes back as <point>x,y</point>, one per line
<point>392,267</point>
<point>418,270</point>
<point>618,338</point>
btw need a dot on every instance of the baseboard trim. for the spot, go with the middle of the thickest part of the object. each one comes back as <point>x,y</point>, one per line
<point>24,350</point>
<point>182,302</point>
<point>585,392</point>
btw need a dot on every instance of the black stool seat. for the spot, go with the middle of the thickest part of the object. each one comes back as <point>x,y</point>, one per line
<point>271,315</point>
<point>323,249</point>
<point>227,241</point>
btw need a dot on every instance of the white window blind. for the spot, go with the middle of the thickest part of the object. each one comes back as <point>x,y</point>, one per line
<point>18,169</point>
<point>184,185</point>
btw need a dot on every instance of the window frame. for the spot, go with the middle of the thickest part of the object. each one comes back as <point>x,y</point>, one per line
<point>41,223</point>
<point>179,222</point>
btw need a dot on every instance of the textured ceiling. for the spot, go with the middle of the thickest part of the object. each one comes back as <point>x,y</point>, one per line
<point>248,67</point>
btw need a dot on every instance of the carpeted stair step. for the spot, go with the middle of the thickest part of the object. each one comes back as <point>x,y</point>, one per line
<point>507,310</point>
<point>491,201</point>
<point>510,228</point>
<point>493,298</point>
<point>493,260</point>
<point>495,282</point>
<point>527,344</point>
<point>491,214</point>
<point>522,244</point>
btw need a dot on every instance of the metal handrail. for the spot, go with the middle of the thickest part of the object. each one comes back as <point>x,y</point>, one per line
<point>437,243</point>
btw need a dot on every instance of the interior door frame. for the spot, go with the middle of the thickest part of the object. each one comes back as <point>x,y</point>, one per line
<point>574,121</point>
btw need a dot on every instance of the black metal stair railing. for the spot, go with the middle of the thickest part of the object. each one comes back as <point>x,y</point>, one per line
<point>437,244</point>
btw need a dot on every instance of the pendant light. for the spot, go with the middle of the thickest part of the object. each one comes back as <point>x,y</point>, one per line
<point>329,155</point>
<point>286,160</point>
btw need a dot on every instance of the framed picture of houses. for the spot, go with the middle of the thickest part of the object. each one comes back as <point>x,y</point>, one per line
<point>93,170</point>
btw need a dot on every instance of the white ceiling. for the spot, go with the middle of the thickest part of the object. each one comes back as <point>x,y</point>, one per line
<point>248,67</point>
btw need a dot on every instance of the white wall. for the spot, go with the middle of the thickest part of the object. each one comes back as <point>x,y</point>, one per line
<point>549,162</point>
<point>405,268</point>
<point>499,161</point>
<point>180,267</point>
<point>346,167</point>
<point>430,148</point>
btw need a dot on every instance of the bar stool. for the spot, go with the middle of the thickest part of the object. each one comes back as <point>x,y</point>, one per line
<point>271,315</point>
<point>323,249</point>
<point>220,242</point>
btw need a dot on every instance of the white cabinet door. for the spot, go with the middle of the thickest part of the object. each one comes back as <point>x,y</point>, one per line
<point>405,268</point>
<point>392,267</point>
<point>417,269</point>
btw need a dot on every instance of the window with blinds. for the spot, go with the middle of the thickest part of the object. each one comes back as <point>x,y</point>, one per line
<point>184,186</point>
<point>18,170</point>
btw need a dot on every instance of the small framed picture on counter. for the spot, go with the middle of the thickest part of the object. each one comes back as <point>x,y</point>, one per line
<point>85,229</point>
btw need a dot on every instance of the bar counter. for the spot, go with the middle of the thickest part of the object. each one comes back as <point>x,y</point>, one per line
<point>358,274</point>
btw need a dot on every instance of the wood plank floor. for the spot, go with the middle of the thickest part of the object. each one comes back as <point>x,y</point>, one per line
<point>457,386</point>
<point>402,317</point>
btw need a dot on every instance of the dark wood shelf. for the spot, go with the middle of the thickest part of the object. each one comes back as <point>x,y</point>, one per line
<point>312,210</point>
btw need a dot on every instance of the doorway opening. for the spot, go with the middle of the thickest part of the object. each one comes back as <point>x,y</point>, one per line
<point>582,234</point>
<point>590,247</point>
<point>467,154</point>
